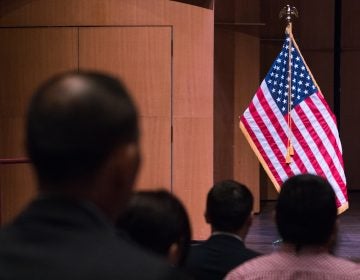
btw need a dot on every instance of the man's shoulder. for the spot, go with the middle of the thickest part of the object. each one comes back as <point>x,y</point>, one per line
<point>72,251</point>
<point>262,262</point>
<point>221,250</point>
<point>223,244</point>
<point>110,259</point>
<point>131,262</point>
<point>280,264</point>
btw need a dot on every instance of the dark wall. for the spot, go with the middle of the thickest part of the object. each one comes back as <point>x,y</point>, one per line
<point>236,78</point>
<point>350,91</point>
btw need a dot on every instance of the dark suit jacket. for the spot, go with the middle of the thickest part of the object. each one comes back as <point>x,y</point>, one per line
<point>214,258</point>
<point>55,238</point>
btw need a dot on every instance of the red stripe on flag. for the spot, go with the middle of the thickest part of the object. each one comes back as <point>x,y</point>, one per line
<point>332,138</point>
<point>279,128</point>
<point>320,144</point>
<point>261,150</point>
<point>270,139</point>
<point>313,133</point>
<point>306,147</point>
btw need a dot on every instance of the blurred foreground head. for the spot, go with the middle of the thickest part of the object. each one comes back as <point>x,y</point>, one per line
<point>158,221</point>
<point>82,138</point>
<point>306,212</point>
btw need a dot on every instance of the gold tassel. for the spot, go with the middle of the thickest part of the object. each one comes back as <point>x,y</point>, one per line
<point>291,150</point>
<point>288,157</point>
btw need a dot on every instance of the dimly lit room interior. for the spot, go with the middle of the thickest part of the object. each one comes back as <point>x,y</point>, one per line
<point>192,68</point>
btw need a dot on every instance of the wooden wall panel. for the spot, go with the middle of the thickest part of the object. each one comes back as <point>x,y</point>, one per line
<point>224,104</point>
<point>225,11</point>
<point>193,35</point>
<point>350,24</point>
<point>209,4</point>
<point>321,64</point>
<point>17,188</point>
<point>188,175</point>
<point>28,56</point>
<point>141,57</point>
<point>315,26</point>
<point>86,12</point>
<point>193,97</point>
<point>349,98</point>
<point>193,111</point>
<point>236,78</point>
<point>247,11</point>
<point>350,117</point>
<point>312,30</point>
<point>247,61</point>
<point>155,171</point>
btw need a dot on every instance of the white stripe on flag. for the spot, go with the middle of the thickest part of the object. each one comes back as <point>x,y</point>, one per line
<point>329,119</point>
<point>325,139</point>
<point>274,134</point>
<point>297,147</point>
<point>265,145</point>
<point>317,154</point>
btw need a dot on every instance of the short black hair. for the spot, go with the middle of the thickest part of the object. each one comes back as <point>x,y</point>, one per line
<point>74,121</point>
<point>306,211</point>
<point>229,204</point>
<point>155,220</point>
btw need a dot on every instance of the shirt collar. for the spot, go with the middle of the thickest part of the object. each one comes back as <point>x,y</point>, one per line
<point>227,234</point>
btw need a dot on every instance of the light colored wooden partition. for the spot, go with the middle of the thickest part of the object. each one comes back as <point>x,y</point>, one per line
<point>28,56</point>
<point>141,57</point>
<point>163,50</point>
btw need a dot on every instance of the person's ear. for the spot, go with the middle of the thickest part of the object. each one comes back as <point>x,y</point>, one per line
<point>132,155</point>
<point>246,226</point>
<point>174,254</point>
<point>127,162</point>
<point>249,220</point>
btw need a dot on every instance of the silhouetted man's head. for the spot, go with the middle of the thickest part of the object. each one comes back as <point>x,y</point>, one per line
<point>229,206</point>
<point>82,131</point>
<point>158,221</point>
<point>306,211</point>
<point>74,122</point>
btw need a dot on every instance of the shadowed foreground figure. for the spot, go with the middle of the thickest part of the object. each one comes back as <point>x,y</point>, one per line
<point>82,138</point>
<point>229,212</point>
<point>306,217</point>
<point>158,222</point>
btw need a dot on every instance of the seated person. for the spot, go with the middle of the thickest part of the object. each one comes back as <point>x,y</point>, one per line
<point>229,212</point>
<point>158,221</point>
<point>306,215</point>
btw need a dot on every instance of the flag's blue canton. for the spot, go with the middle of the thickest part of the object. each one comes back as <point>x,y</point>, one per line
<point>277,78</point>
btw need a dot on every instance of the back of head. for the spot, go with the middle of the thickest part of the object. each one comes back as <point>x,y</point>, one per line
<point>74,122</point>
<point>156,220</point>
<point>306,211</point>
<point>228,206</point>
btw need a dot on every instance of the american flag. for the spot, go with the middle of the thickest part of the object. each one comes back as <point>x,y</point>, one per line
<point>290,126</point>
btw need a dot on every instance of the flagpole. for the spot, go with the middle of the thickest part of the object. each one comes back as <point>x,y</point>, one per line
<point>289,12</point>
